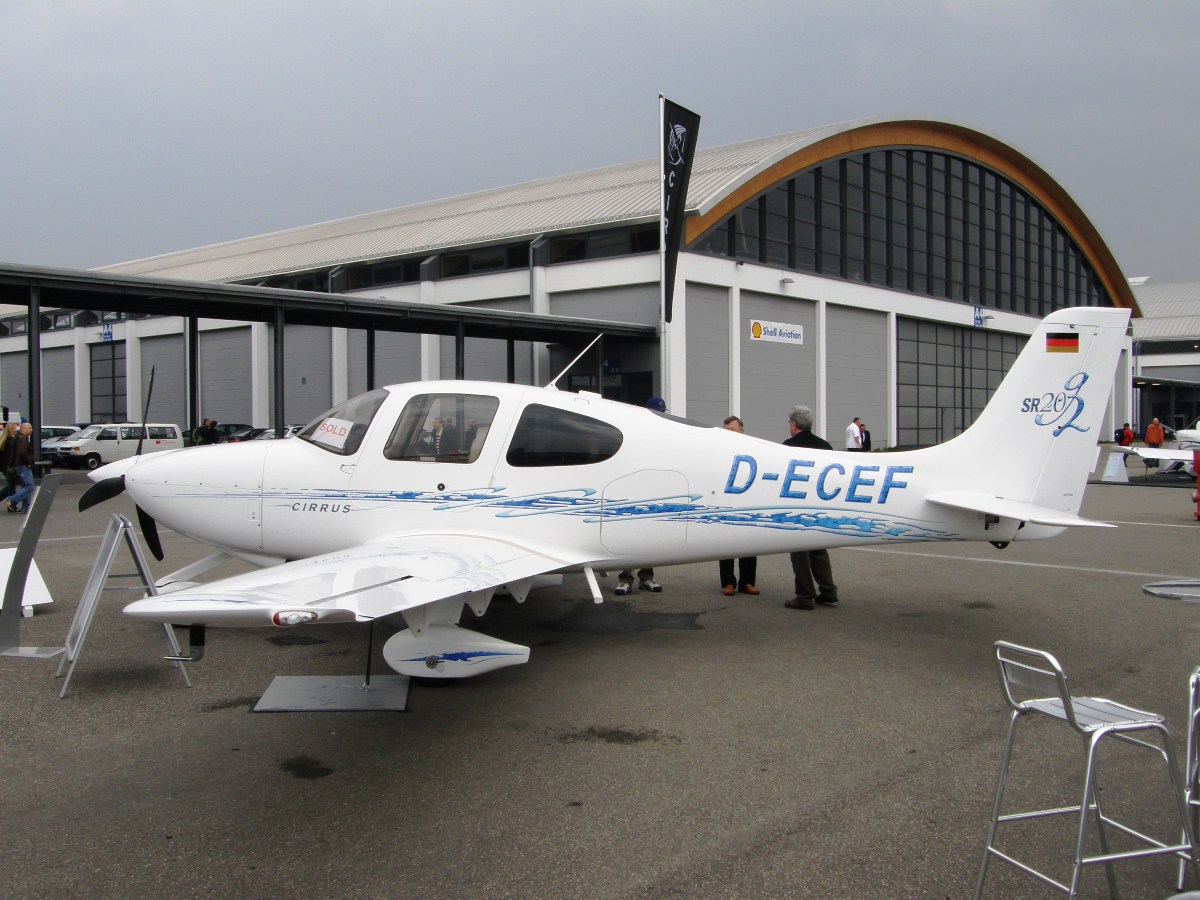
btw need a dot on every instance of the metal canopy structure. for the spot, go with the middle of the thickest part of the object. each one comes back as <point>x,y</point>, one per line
<point>75,289</point>
<point>37,288</point>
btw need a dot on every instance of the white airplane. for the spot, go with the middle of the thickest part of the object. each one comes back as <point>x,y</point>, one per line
<point>369,512</point>
<point>1187,443</point>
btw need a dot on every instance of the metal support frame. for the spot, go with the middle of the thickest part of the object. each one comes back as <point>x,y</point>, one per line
<point>336,693</point>
<point>371,358</point>
<point>118,527</point>
<point>279,344</point>
<point>192,342</point>
<point>1191,765</point>
<point>14,591</point>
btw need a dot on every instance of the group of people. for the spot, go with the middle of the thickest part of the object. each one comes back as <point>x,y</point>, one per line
<point>812,572</point>
<point>1154,437</point>
<point>206,433</point>
<point>16,455</point>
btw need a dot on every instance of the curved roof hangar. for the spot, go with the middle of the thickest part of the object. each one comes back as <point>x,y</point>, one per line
<point>723,178</point>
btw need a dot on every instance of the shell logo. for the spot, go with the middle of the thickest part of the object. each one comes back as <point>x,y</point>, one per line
<point>756,330</point>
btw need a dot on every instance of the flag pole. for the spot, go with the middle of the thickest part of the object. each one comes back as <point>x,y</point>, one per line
<point>664,355</point>
<point>662,211</point>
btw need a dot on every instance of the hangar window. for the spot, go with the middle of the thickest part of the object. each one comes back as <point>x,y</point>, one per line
<point>944,377</point>
<point>546,436</point>
<point>919,221</point>
<point>601,244</point>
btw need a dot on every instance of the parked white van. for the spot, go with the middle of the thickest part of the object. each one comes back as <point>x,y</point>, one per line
<point>102,443</point>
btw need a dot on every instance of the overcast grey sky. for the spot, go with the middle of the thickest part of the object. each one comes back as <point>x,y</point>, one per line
<point>130,128</point>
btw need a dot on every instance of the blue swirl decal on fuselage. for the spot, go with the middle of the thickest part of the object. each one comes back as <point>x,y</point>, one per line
<point>841,497</point>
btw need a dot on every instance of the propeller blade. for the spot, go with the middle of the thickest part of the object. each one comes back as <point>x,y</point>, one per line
<point>150,533</point>
<point>101,491</point>
<point>145,414</point>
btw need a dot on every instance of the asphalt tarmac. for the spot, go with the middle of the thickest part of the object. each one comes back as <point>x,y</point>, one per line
<point>684,744</point>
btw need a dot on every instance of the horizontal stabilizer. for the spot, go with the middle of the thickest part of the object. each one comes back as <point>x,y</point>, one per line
<point>989,504</point>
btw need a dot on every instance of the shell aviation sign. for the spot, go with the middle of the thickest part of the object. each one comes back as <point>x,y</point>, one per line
<point>779,332</point>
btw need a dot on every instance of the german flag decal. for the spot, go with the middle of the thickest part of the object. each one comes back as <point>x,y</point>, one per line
<point>1062,342</point>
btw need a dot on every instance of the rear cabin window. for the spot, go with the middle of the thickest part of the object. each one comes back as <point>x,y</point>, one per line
<point>442,428</point>
<point>342,429</point>
<point>547,436</point>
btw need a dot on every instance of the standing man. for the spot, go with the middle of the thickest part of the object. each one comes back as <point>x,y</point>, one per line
<point>8,450</point>
<point>854,435</point>
<point>1154,438</point>
<point>810,565</point>
<point>23,461</point>
<point>747,565</point>
<point>199,434</point>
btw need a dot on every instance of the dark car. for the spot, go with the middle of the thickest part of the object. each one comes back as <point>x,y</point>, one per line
<point>244,434</point>
<point>269,433</point>
<point>224,429</point>
<point>53,432</point>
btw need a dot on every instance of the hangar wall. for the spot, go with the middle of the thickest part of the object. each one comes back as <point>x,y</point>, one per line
<point>307,375</point>
<point>225,374</point>
<point>777,376</point>
<point>14,376</point>
<point>708,385</point>
<point>858,370</point>
<point>164,356</point>
<point>58,367</point>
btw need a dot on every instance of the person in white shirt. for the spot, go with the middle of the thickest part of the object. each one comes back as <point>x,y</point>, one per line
<point>854,435</point>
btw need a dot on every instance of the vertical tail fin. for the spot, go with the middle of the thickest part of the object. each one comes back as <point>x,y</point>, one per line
<point>1035,440</point>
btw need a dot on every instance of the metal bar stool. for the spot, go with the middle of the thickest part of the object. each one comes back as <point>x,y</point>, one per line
<point>1037,676</point>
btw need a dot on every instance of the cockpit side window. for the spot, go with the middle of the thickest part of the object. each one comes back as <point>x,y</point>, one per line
<point>442,428</point>
<point>547,436</point>
<point>341,430</point>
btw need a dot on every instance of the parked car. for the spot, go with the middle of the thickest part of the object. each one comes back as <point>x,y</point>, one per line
<point>269,433</point>
<point>53,432</point>
<point>245,434</point>
<point>104,443</point>
<point>50,445</point>
<point>224,429</point>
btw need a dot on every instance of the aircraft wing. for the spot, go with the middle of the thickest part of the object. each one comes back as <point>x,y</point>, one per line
<point>365,582</point>
<point>1164,453</point>
<point>1012,509</point>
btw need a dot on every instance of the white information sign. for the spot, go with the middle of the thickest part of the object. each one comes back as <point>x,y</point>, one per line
<point>780,332</point>
<point>333,432</point>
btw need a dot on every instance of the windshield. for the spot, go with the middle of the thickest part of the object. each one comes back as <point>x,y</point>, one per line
<point>342,429</point>
<point>90,432</point>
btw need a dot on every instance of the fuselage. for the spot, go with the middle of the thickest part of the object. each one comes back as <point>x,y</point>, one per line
<point>627,485</point>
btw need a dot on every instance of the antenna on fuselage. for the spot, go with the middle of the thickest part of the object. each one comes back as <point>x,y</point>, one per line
<point>553,385</point>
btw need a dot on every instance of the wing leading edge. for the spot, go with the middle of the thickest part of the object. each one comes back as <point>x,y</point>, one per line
<point>360,583</point>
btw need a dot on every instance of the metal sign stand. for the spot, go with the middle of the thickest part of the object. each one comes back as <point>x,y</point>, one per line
<point>336,693</point>
<point>14,591</point>
<point>119,527</point>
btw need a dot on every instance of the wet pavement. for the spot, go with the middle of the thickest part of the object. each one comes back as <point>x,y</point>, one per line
<point>676,744</point>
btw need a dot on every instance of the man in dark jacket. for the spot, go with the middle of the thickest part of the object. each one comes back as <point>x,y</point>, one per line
<point>23,462</point>
<point>8,447</point>
<point>809,565</point>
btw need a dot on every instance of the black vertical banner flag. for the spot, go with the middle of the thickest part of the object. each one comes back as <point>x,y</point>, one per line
<point>680,128</point>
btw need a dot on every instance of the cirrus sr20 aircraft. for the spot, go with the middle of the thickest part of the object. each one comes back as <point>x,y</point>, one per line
<point>423,498</point>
